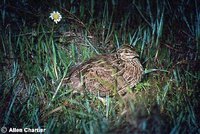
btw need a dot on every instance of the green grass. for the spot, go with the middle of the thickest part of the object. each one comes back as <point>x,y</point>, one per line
<point>35,60</point>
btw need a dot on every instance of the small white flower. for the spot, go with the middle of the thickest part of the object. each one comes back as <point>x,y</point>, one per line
<point>55,16</point>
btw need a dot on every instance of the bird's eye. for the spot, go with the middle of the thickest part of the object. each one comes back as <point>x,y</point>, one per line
<point>126,51</point>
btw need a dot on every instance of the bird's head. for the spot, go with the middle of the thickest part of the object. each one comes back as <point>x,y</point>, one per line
<point>127,53</point>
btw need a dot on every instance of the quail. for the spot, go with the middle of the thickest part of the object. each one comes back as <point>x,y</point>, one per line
<point>108,74</point>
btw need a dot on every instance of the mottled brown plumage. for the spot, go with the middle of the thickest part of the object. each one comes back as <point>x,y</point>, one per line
<point>107,74</point>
